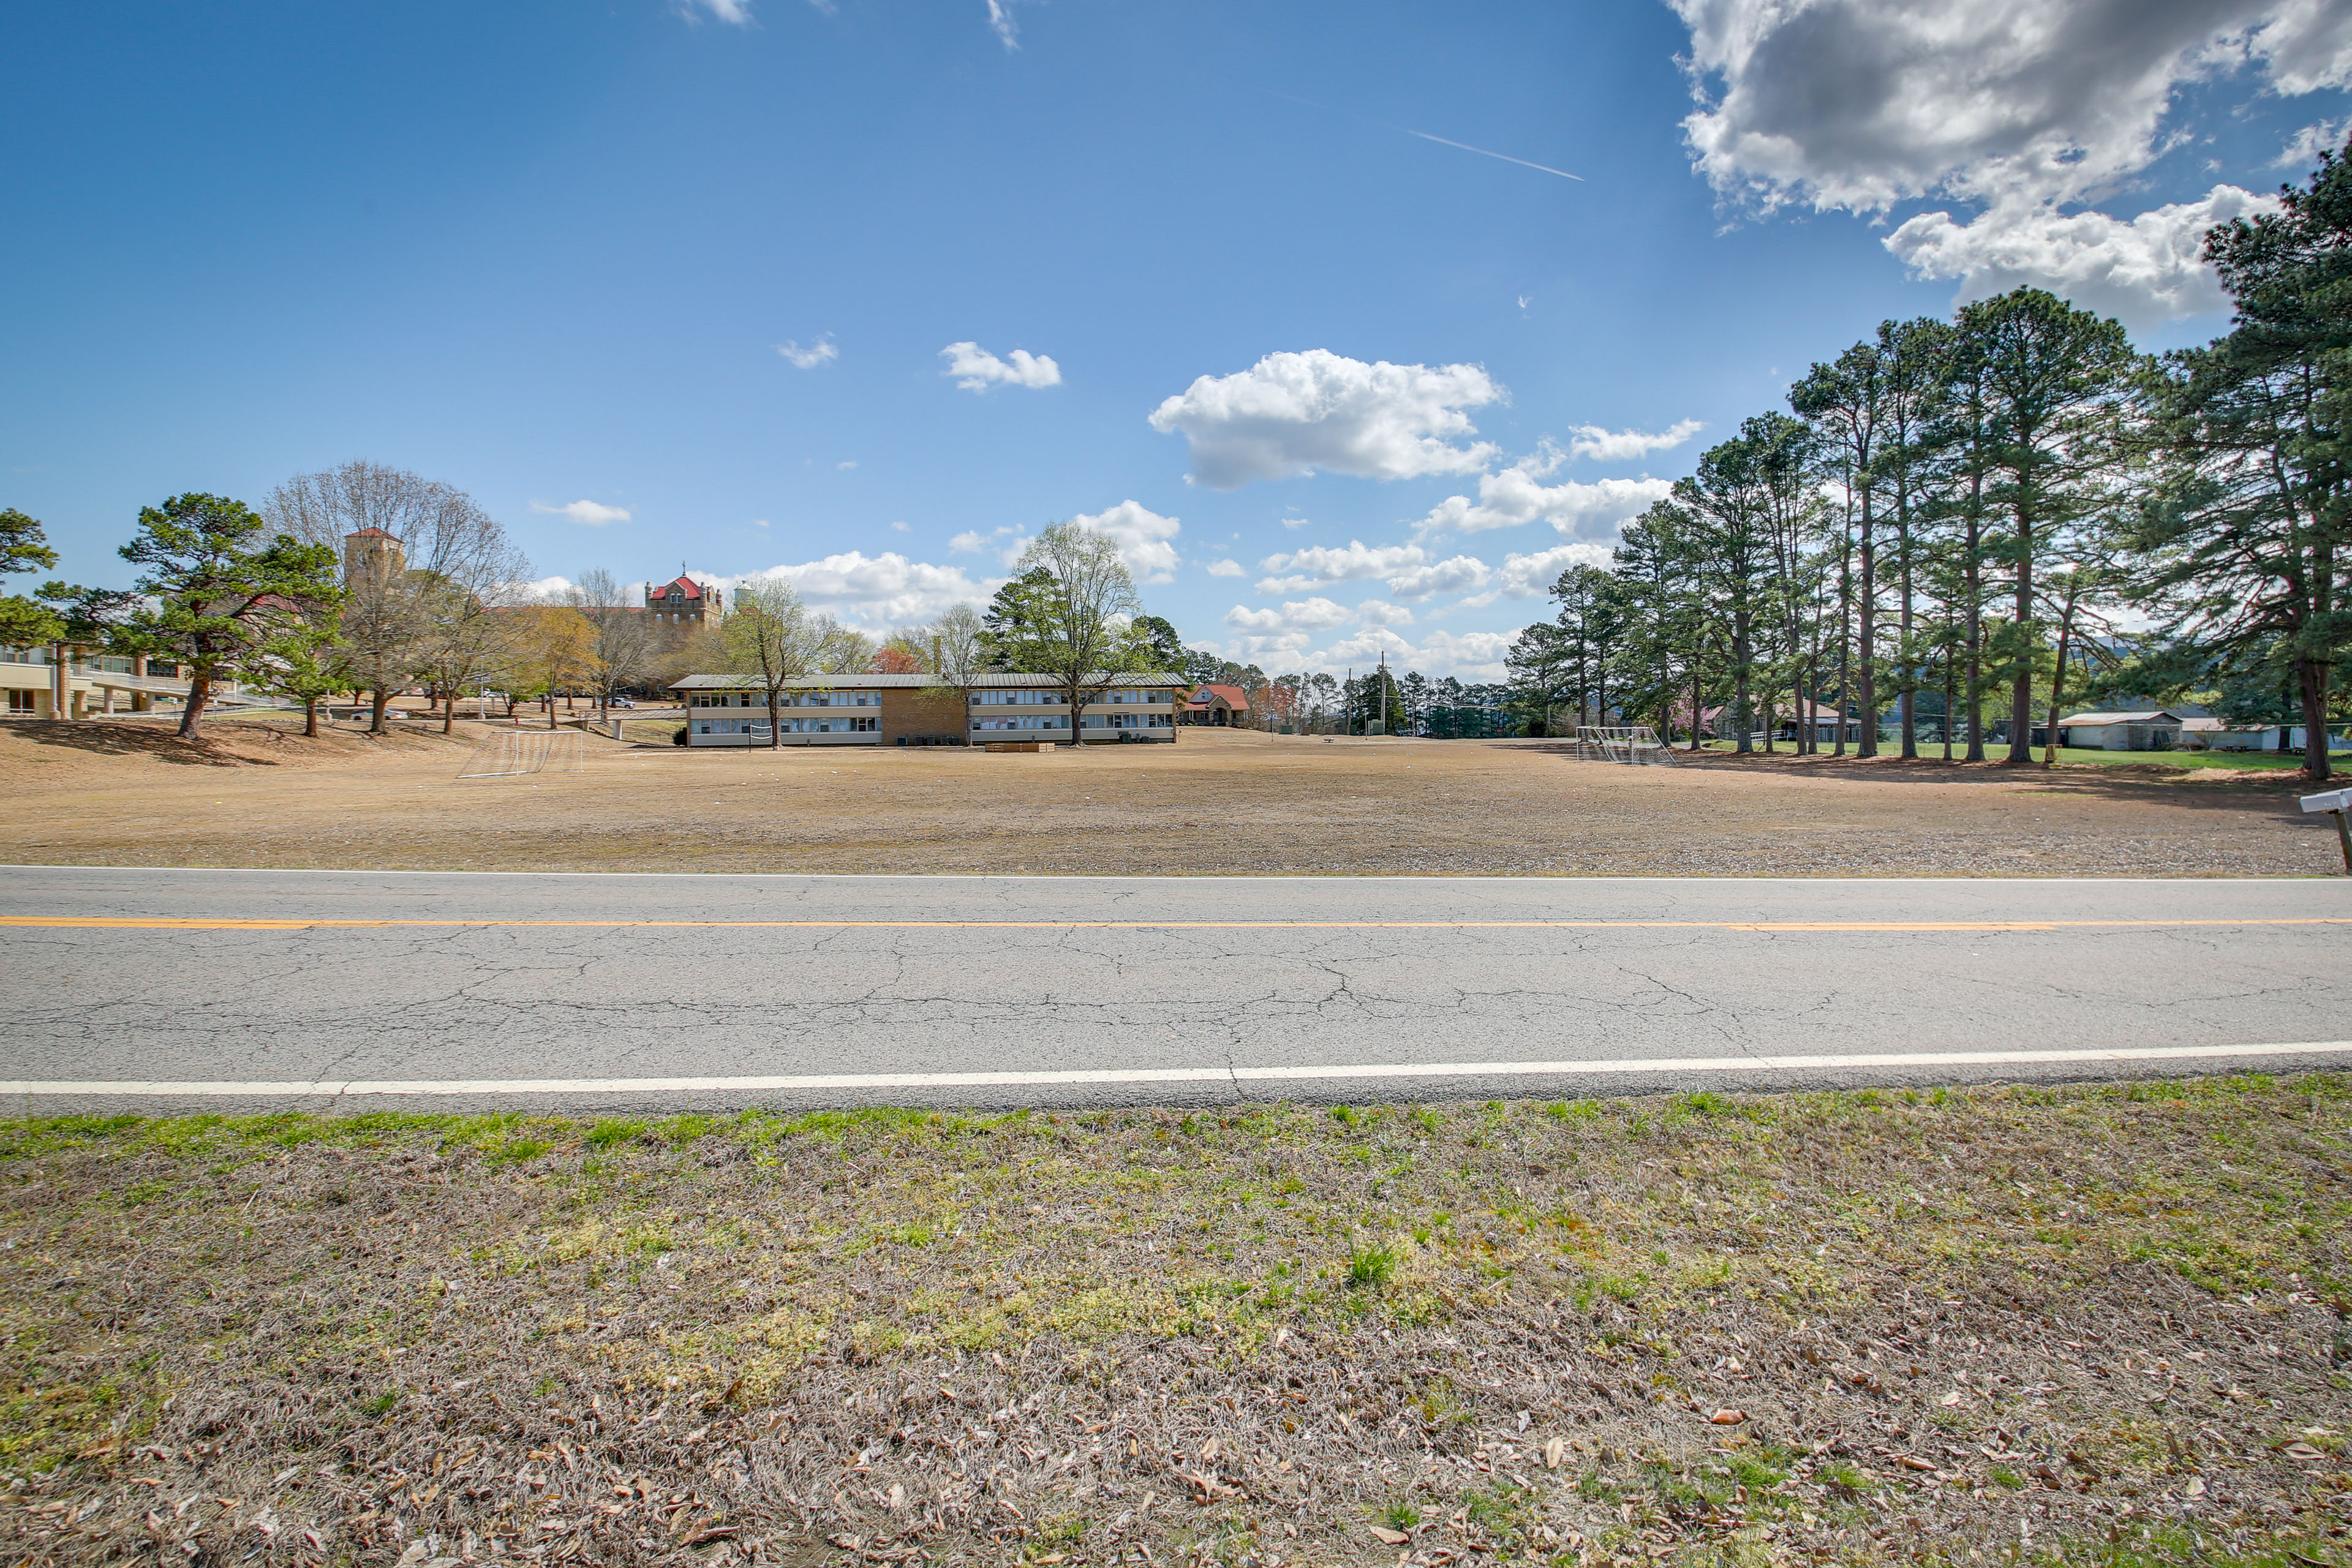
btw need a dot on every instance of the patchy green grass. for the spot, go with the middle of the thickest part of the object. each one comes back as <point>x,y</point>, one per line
<point>1871,1326</point>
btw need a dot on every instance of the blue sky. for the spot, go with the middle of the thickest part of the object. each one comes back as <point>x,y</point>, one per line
<point>1337,386</point>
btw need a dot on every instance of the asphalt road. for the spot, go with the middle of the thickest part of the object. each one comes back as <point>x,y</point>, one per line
<point>229,990</point>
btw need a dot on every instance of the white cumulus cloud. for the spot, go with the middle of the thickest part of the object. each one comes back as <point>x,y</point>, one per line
<point>1292,414</point>
<point>1517,495</point>
<point>2144,270</point>
<point>1466,655</point>
<point>1143,537</point>
<point>1365,649</point>
<point>2025,107</point>
<point>809,358</point>
<point>976,370</point>
<point>1226,569</point>
<point>526,593</point>
<point>1317,564</point>
<point>587,512</point>
<point>876,592</point>
<point>1455,574</point>
<point>2302,149</point>
<point>1623,446</point>
<point>1525,576</point>
<point>2305,45</point>
<point>1313,614</point>
<point>1006,542</point>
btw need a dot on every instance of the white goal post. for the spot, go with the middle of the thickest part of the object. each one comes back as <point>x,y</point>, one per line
<point>1637,744</point>
<point>512,753</point>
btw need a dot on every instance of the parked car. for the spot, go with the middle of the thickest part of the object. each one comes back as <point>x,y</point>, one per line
<point>620,702</point>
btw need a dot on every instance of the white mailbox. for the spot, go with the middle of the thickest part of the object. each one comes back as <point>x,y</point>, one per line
<point>2337,802</point>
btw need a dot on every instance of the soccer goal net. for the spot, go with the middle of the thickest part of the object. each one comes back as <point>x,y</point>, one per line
<point>515,752</point>
<point>1637,744</point>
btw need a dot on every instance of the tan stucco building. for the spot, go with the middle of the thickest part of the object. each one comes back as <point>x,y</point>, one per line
<point>63,682</point>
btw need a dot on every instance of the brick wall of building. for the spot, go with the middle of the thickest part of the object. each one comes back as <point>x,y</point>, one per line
<point>913,713</point>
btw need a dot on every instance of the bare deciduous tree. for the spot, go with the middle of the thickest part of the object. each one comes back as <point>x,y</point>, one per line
<point>411,601</point>
<point>955,656</point>
<point>771,636</point>
<point>628,641</point>
<point>469,643</point>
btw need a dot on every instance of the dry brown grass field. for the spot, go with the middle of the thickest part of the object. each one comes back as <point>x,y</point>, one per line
<point>2094,1325</point>
<point>1219,802</point>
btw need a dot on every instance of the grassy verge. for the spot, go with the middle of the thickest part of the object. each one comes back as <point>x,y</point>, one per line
<point>2097,1324</point>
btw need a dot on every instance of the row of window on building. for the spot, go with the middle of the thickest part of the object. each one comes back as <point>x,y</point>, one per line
<point>1026,698</point>
<point>787,700</point>
<point>1089,721</point>
<point>1051,697</point>
<point>852,726</point>
<point>790,726</point>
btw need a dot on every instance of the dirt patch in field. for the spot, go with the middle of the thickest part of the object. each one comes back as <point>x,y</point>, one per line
<point>1912,1326</point>
<point>1218,803</point>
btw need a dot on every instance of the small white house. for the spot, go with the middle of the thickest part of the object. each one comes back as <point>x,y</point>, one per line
<point>2157,730</point>
<point>2214,735</point>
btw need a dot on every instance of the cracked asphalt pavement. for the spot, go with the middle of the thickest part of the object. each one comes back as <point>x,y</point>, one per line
<point>1101,975</point>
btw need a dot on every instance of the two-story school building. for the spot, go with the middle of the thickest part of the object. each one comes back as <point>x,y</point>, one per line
<point>909,711</point>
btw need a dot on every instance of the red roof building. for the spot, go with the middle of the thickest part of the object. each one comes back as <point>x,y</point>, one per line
<point>1217,705</point>
<point>683,602</point>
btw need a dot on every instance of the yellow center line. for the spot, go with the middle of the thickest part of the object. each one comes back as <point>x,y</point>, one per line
<point>145,923</point>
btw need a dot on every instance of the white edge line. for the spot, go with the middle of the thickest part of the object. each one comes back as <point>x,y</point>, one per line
<point>325,1089</point>
<point>1218,879</point>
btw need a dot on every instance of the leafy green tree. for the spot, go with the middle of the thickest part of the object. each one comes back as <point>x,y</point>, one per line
<point>1964,440</point>
<point>1414,689</point>
<point>1592,623</point>
<point>1373,697</point>
<point>1741,486</point>
<point>1845,401</point>
<point>1074,617</point>
<point>1011,614</point>
<point>1167,648</point>
<point>1664,616</point>
<point>1917,358</point>
<point>2056,381</point>
<point>2249,544</point>
<point>217,589</point>
<point>1543,665</point>
<point>301,665</point>
<point>24,623</point>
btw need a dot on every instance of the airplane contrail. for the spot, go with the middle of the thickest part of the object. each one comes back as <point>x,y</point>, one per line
<point>1442,140</point>
<point>1483,152</point>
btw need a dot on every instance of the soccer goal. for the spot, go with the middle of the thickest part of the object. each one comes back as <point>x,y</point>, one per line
<point>1637,744</point>
<point>511,752</point>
